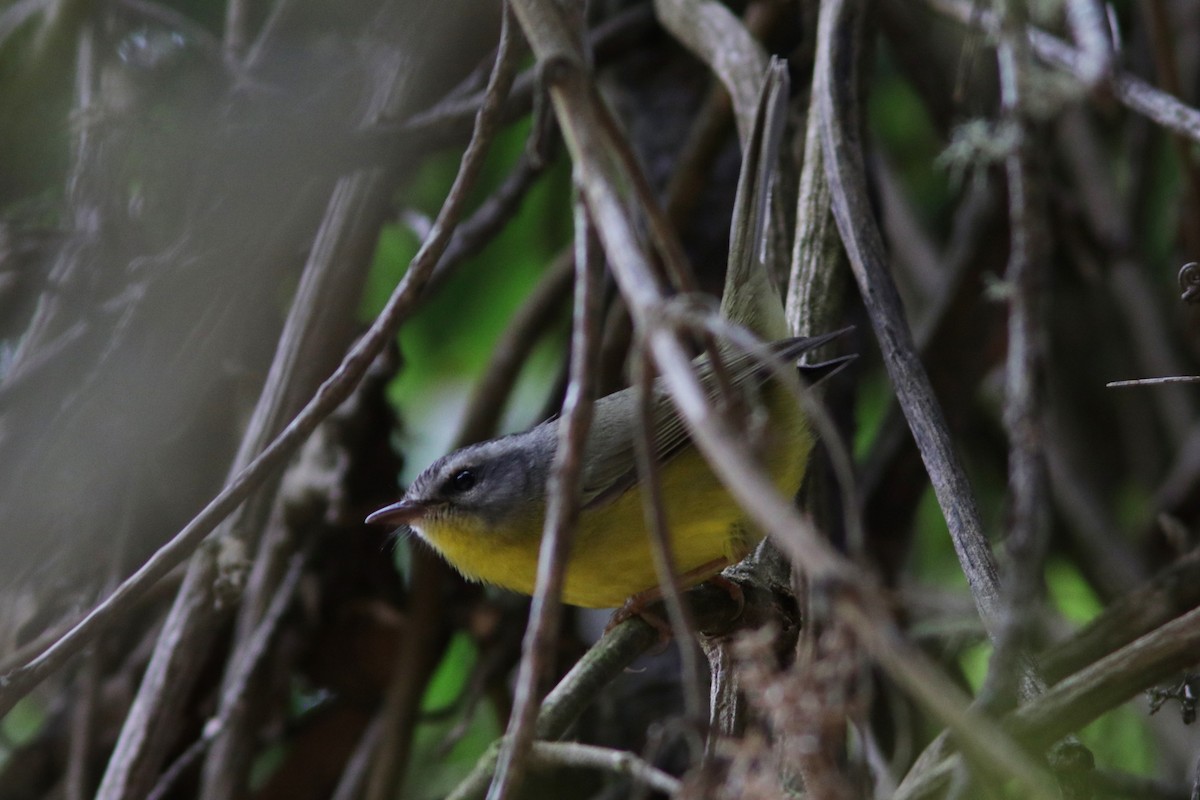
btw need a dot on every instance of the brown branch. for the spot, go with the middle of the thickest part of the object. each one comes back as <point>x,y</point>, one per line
<point>251,658</point>
<point>242,673</point>
<point>562,513</point>
<point>152,719</point>
<point>1028,525</point>
<point>855,220</point>
<point>548,755</point>
<point>658,528</point>
<point>816,284</point>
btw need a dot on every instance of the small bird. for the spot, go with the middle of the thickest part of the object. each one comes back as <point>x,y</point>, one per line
<point>483,507</point>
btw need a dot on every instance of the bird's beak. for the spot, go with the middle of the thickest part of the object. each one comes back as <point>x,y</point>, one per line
<point>405,512</point>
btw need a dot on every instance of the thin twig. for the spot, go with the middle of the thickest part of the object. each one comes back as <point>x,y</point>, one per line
<point>1173,591</point>
<point>33,648</point>
<point>847,180</point>
<point>354,776</point>
<point>606,42</point>
<point>493,213</point>
<point>663,236</point>
<point>256,652</point>
<point>1028,526</point>
<point>658,528</point>
<point>83,728</point>
<point>705,139</point>
<point>1153,381</point>
<point>562,513</point>
<point>268,32</point>
<point>153,719</point>
<point>1114,564</point>
<point>545,755</point>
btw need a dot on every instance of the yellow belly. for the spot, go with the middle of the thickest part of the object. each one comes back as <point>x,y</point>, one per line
<point>611,557</point>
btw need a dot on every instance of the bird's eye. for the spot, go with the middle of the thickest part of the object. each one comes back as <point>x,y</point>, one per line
<point>462,481</point>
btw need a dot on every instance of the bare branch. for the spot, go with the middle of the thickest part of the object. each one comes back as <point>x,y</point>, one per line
<point>1028,527</point>
<point>562,513</point>
<point>851,208</point>
<point>618,762</point>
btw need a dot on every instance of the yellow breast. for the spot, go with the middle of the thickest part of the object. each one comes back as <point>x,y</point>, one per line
<point>611,558</point>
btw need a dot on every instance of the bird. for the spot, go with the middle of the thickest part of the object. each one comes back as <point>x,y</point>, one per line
<point>483,507</point>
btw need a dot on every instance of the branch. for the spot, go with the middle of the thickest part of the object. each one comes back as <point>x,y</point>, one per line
<point>562,511</point>
<point>547,755</point>
<point>1024,423</point>
<point>860,234</point>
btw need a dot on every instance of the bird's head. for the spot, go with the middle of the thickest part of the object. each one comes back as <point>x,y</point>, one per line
<point>497,486</point>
